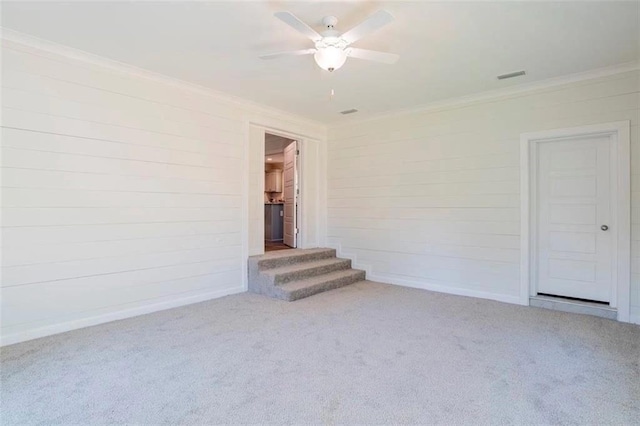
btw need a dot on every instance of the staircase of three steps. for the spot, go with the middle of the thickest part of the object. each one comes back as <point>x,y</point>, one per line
<point>296,274</point>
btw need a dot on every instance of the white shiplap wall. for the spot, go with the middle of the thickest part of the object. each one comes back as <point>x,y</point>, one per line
<point>431,199</point>
<point>122,192</point>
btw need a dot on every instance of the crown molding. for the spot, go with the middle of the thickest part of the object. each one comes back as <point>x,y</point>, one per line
<point>499,94</point>
<point>74,54</point>
<point>254,107</point>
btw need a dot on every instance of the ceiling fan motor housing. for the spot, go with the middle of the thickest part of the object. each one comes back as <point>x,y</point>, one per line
<point>329,21</point>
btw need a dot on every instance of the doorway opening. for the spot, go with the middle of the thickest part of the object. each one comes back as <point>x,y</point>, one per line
<point>281,192</point>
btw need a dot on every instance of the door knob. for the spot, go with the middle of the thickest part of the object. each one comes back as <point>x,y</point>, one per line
<point>604,227</point>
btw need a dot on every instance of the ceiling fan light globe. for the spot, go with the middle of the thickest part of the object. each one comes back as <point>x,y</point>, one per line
<point>330,58</point>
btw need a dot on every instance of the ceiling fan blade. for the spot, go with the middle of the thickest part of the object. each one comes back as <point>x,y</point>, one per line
<point>288,53</point>
<point>372,55</point>
<point>369,25</point>
<point>294,22</point>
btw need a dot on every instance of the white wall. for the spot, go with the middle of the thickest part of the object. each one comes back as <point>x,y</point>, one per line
<point>431,199</point>
<point>123,192</point>
<point>256,189</point>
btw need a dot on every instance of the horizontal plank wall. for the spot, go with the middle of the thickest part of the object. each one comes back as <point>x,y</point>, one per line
<point>122,194</point>
<point>431,199</point>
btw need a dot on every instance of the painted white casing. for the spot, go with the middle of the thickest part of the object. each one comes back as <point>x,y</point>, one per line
<point>618,141</point>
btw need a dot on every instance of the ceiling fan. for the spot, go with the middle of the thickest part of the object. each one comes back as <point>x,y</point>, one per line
<point>332,49</point>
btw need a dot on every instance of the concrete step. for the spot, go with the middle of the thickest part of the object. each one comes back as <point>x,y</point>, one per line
<point>282,258</point>
<point>304,270</point>
<point>308,287</point>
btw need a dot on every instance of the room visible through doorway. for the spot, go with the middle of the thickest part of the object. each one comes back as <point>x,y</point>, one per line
<point>281,192</point>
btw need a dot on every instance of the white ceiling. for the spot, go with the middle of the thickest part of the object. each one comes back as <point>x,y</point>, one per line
<point>448,49</point>
<point>274,144</point>
<point>274,148</point>
<point>275,158</point>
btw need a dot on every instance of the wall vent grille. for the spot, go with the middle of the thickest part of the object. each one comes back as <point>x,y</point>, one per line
<point>511,75</point>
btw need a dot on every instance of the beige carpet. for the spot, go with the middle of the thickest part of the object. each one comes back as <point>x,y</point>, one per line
<point>368,353</point>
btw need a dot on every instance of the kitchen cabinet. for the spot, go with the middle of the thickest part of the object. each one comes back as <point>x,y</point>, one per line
<point>273,222</point>
<point>273,181</point>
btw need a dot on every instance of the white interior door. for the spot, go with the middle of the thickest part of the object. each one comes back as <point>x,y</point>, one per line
<point>290,194</point>
<point>573,203</point>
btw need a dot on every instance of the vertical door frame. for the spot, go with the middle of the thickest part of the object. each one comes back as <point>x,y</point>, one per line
<point>296,193</point>
<point>619,133</point>
<point>300,210</point>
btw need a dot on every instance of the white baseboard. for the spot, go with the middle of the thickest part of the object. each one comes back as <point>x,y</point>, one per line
<point>634,317</point>
<point>49,330</point>
<point>351,256</point>
<point>424,285</point>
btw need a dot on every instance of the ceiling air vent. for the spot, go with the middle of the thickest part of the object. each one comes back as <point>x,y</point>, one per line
<point>348,111</point>
<point>511,75</point>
